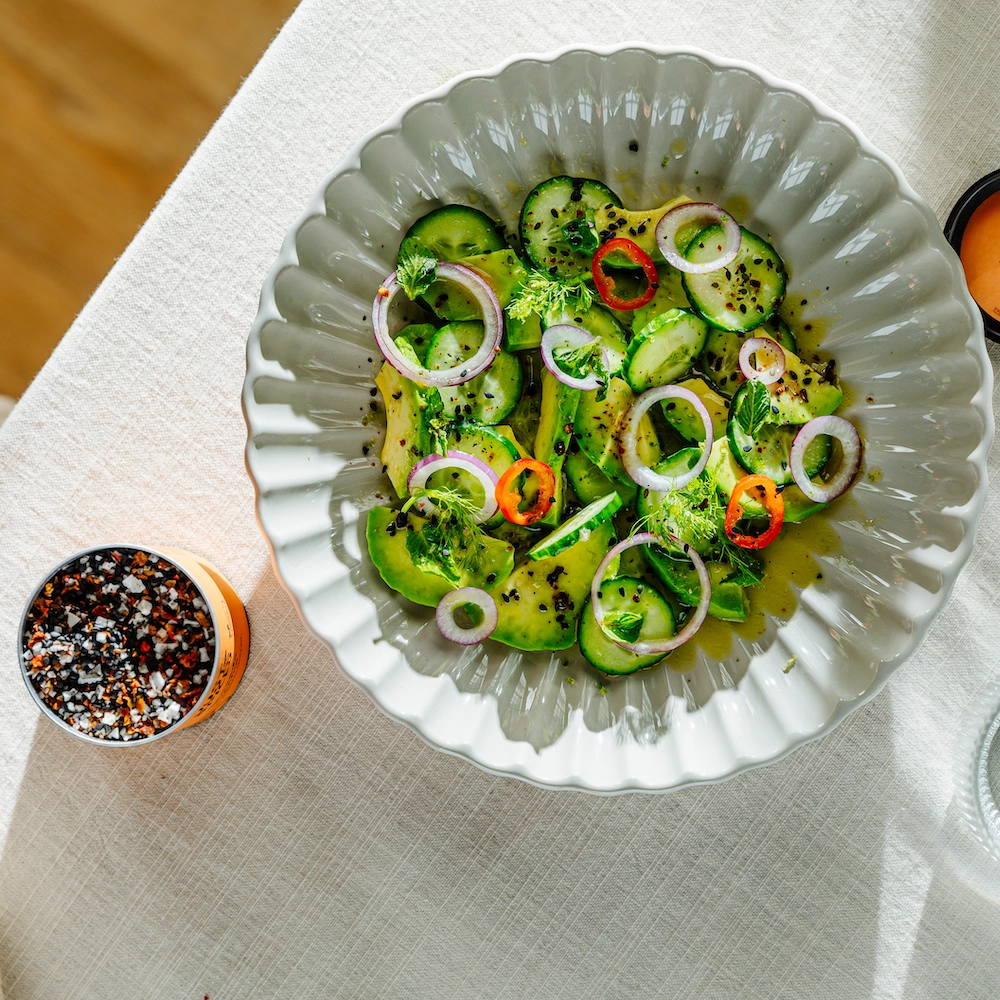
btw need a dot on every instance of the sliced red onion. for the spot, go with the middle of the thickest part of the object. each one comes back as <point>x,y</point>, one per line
<point>770,349</point>
<point>481,290</point>
<point>476,467</point>
<point>647,647</point>
<point>697,211</point>
<point>454,599</point>
<point>641,473</point>
<point>847,434</point>
<point>569,335</point>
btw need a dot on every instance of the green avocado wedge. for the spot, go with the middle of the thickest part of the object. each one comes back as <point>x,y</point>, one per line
<point>386,532</point>
<point>540,602</point>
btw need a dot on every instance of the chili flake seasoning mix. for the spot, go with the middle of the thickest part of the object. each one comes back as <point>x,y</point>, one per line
<point>119,644</point>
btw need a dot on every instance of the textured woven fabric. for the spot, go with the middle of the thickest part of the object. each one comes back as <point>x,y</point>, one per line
<point>302,845</point>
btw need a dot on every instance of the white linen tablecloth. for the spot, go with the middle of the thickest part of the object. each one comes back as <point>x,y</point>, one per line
<point>300,844</point>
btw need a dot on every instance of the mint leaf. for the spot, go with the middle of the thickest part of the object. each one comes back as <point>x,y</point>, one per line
<point>415,270</point>
<point>579,362</point>
<point>625,624</point>
<point>754,406</point>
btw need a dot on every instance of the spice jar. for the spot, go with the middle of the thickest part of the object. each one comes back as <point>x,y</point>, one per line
<point>123,644</point>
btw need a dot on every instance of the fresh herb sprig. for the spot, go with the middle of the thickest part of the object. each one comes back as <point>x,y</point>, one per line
<point>625,624</point>
<point>549,296</point>
<point>450,544</point>
<point>754,407</point>
<point>415,270</point>
<point>579,362</point>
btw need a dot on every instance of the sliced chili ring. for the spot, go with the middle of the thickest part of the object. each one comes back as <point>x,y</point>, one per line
<point>509,496</point>
<point>773,503</point>
<point>606,284</point>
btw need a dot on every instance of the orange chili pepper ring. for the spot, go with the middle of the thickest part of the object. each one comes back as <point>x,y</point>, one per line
<point>509,496</point>
<point>773,503</point>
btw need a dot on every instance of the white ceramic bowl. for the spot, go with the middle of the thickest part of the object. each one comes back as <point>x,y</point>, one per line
<point>863,250</point>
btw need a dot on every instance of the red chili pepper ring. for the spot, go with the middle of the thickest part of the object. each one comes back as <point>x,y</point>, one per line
<point>606,284</point>
<point>509,497</point>
<point>773,503</point>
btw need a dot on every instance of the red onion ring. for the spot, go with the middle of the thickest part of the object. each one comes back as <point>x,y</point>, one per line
<point>481,290</point>
<point>647,647</point>
<point>641,473</point>
<point>445,615</point>
<point>570,335</point>
<point>847,434</point>
<point>476,467</point>
<point>695,211</point>
<point>762,345</point>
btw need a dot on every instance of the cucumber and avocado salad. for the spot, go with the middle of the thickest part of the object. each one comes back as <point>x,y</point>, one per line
<point>634,611</point>
<point>537,560</point>
<point>743,294</point>
<point>557,224</point>
<point>488,398</point>
<point>453,232</point>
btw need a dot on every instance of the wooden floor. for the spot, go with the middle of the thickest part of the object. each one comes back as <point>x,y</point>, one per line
<point>101,103</point>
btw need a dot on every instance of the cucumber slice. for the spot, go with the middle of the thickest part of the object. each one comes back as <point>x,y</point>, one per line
<point>720,357</point>
<point>578,527</point>
<point>487,398</point>
<point>728,600</point>
<point>453,232</point>
<point>625,594</point>
<point>419,337</point>
<point>664,350</point>
<point>385,533</point>
<point>548,210</point>
<point>590,484</point>
<point>495,446</point>
<point>540,602</point>
<point>742,295</point>
<point>767,451</point>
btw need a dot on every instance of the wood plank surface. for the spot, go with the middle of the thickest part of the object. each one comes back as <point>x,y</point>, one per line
<point>101,104</point>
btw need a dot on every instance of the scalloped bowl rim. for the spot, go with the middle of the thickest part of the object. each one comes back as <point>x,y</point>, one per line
<point>316,206</point>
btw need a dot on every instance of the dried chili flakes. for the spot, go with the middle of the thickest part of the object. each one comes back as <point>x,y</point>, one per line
<point>119,644</point>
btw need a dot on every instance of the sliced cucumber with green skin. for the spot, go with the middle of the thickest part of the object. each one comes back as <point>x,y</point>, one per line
<point>487,398</point>
<point>767,451</point>
<point>590,484</point>
<point>540,602</point>
<point>453,232</point>
<point>496,446</point>
<point>596,430</point>
<point>601,324</point>
<point>665,349</point>
<point>728,601</point>
<point>682,415</point>
<point>742,295</point>
<point>550,207</point>
<point>625,594</point>
<point>720,357</point>
<point>386,531</point>
<point>502,269</point>
<point>577,528</point>
<point>419,336</point>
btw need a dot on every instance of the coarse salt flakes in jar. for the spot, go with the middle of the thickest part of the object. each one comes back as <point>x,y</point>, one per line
<point>123,644</point>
